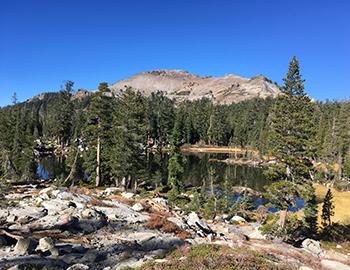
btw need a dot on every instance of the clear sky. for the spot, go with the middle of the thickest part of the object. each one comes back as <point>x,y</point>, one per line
<point>43,42</point>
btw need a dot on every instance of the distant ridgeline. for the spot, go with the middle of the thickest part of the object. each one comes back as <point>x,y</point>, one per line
<point>119,128</point>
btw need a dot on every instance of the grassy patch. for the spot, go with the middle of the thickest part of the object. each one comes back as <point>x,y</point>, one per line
<point>341,200</point>
<point>345,246</point>
<point>217,257</point>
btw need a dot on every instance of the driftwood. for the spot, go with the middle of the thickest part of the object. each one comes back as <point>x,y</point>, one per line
<point>18,234</point>
<point>73,167</point>
<point>33,259</point>
<point>11,235</point>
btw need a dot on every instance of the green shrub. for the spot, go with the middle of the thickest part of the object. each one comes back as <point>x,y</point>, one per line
<point>289,233</point>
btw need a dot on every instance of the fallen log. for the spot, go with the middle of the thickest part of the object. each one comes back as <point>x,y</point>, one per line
<point>34,260</point>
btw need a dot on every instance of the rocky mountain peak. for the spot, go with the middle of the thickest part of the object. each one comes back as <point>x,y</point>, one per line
<point>183,85</point>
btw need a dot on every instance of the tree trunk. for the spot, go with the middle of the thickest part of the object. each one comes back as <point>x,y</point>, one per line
<point>340,166</point>
<point>117,182</point>
<point>98,179</point>
<point>283,217</point>
<point>72,170</point>
<point>135,185</point>
<point>124,183</point>
<point>128,183</point>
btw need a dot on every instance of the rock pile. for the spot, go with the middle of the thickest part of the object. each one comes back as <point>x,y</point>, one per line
<point>73,229</point>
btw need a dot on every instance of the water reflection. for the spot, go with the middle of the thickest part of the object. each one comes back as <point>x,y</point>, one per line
<point>201,171</point>
<point>199,167</point>
<point>196,170</point>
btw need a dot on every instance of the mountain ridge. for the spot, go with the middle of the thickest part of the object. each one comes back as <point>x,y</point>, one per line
<point>182,85</point>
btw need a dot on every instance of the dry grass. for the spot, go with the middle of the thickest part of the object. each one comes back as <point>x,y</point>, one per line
<point>341,200</point>
<point>217,149</point>
<point>160,222</point>
<point>96,202</point>
<point>121,199</point>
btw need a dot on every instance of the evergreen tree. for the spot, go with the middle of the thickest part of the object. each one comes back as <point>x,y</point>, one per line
<point>175,165</point>
<point>342,134</point>
<point>129,137</point>
<point>217,131</point>
<point>327,210</point>
<point>292,129</point>
<point>292,133</point>
<point>161,118</point>
<point>97,137</point>
<point>310,213</point>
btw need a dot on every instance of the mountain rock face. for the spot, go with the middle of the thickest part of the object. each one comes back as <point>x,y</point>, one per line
<point>182,86</point>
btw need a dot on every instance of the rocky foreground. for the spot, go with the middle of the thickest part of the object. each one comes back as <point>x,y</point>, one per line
<point>107,229</point>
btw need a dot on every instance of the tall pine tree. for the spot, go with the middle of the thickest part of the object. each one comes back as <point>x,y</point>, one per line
<point>291,137</point>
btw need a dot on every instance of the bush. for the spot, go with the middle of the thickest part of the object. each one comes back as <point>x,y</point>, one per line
<point>243,207</point>
<point>291,232</point>
<point>342,185</point>
<point>336,233</point>
<point>160,222</point>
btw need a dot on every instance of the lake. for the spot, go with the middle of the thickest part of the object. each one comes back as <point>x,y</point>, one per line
<point>197,168</point>
<point>199,171</point>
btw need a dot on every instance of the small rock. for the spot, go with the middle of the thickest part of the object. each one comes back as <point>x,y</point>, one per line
<point>161,260</point>
<point>64,195</point>
<point>195,222</point>
<point>137,207</point>
<point>339,246</point>
<point>128,195</point>
<point>333,265</point>
<point>66,218</point>
<point>179,222</point>
<point>161,201</point>
<point>46,191</point>
<point>16,267</point>
<point>24,246</point>
<point>54,252</point>
<point>238,220</point>
<point>55,206</point>
<point>305,268</point>
<point>4,213</point>
<point>256,234</point>
<point>45,244</point>
<point>121,212</point>
<point>90,213</point>
<point>130,263</point>
<point>312,246</point>
<point>78,266</point>
<point>110,191</point>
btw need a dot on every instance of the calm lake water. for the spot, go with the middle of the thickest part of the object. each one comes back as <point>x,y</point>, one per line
<point>201,167</point>
<point>197,168</point>
<point>200,170</point>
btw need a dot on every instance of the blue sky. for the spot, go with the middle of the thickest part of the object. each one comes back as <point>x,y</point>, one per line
<point>43,42</point>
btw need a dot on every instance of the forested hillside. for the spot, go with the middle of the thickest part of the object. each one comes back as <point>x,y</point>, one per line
<point>122,129</point>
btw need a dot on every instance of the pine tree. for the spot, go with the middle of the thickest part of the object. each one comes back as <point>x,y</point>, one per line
<point>161,118</point>
<point>342,135</point>
<point>129,138</point>
<point>97,137</point>
<point>327,210</point>
<point>175,165</point>
<point>217,127</point>
<point>310,213</point>
<point>292,133</point>
<point>292,129</point>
